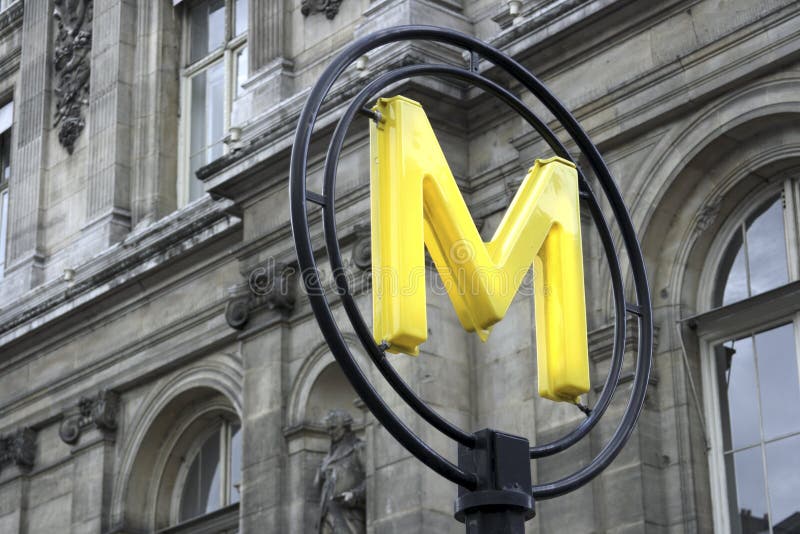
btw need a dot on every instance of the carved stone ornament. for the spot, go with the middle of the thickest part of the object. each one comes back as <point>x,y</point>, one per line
<point>99,411</point>
<point>329,7</point>
<point>268,286</point>
<point>362,248</point>
<point>19,448</point>
<point>708,214</point>
<point>71,57</point>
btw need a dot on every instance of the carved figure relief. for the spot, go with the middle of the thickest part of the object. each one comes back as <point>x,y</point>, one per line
<point>100,411</point>
<point>71,57</point>
<point>329,7</point>
<point>18,448</point>
<point>341,479</point>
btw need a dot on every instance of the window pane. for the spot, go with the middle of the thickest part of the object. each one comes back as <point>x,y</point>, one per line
<point>738,387</point>
<point>201,492</point>
<point>783,477</point>
<point>207,123</point>
<point>207,31</point>
<point>778,378</point>
<point>736,280</point>
<point>215,110</point>
<point>241,17</point>
<point>210,473</point>
<point>236,463</point>
<point>750,507</point>
<point>766,250</point>
<point>6,116</point>
<point>241,69</point>
<point>198,114</point>
<point>190,500</point>
<point>5,156</point>
<point>3,229</point>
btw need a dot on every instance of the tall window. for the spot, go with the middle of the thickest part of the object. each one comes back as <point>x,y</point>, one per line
<point>210,480</point>
<point>754,357</point>
<point>6,120</point>
<point>215,67</point>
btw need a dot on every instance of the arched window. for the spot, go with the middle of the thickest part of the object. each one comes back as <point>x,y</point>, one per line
<point>750,345</point>
<point>213,477</point>
<point>755,260</point>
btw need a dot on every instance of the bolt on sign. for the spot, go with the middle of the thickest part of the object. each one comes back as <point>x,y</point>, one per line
<point>416,204</point>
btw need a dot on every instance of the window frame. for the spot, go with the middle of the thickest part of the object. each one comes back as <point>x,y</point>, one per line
<point>225,424</point>
<point>5,195</point>
<point>5,4</point>
<point>748,316</point>
<point>227,53</point>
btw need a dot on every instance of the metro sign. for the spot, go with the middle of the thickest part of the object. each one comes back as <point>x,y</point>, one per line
<point>415,201</point>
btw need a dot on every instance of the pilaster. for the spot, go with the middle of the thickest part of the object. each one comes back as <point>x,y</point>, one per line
<point>109,161</point>
<point>270,79</point>
<point>26,212</point>
<point>263,346</point>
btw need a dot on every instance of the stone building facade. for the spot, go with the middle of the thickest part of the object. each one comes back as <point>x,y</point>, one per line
<point>160,368</point>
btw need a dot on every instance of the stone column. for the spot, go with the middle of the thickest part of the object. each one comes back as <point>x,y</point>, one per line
<point>263,454</point>
<point>12,504</point>
<point>26,209</point>
<point>93,465</point>
<point>265,33</point>
<point>155,111</point>
<point>109,142</point>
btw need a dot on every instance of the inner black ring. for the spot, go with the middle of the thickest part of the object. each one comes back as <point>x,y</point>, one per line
<point>367,94</point>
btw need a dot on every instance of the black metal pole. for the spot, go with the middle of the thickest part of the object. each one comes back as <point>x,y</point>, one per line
<point>502,502</point>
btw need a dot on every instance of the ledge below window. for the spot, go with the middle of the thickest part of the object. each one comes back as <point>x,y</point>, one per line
<point>213,523</point>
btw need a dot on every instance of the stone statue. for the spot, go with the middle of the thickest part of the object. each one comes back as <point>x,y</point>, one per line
<point>341,479</point>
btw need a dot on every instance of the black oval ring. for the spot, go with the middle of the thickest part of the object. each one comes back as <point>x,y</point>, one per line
<point>298,208</point>
<point>366,94</point>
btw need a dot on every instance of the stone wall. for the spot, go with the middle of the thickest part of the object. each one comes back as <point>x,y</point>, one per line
<point>111,290</point>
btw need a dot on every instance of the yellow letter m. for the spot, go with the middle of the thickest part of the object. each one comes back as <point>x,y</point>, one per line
<point>415,200</point>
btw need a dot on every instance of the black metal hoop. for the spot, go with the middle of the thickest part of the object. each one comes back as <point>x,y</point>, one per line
<point>322,311</point>
<point>367,94</point>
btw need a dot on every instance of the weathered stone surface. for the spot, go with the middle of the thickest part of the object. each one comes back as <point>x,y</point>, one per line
<point>195,316</point>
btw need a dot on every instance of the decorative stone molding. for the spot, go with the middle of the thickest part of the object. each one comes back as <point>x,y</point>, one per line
<point>71,59</point>
<point>18,448</point>
<point>361,255</point>
<point>99,411</point>
<point>269,285</point>
<point>329,7</point>
<point>707,215</point>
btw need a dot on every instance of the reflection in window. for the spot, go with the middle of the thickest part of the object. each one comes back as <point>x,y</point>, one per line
<point>214,476</point>
<point>215,69</point>
<point>760,395</point>
<point>755,260</point>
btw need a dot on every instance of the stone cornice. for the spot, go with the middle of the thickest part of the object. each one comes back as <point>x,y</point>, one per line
<point>140,253</point>
<point>641,100</point>
<point>11,18</point>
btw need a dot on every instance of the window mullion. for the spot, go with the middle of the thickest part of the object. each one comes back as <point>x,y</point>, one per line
<point>227,93</point>
<point>762,444</point>
<point>204,63</point>
<point>224,470</point>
